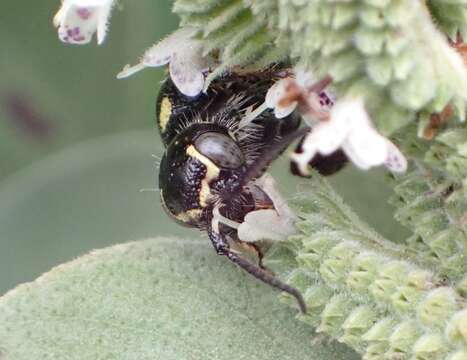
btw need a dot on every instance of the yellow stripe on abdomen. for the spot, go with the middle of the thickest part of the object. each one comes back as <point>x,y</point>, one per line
<point>164,115</point>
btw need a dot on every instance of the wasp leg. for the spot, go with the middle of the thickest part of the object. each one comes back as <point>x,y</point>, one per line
<point>259,253</point>
<point>222,248</point>
<point>255,249</point>
<point>218,218</point>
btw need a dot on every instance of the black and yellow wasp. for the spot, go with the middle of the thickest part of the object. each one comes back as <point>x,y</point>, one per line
<point>211,161</point>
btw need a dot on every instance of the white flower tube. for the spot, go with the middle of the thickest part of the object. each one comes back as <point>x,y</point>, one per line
<point>183,53</point>
<point>321,101</point>
<point>349,128</point>
<point>78,20</point>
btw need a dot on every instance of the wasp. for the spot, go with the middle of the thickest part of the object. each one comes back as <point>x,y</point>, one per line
<point>213,171</point>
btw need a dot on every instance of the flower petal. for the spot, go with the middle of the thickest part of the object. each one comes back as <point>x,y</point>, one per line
<point>186,61</point>
<point>272,224</point>
<point>329,135</point>
<point>74,30</point>
<point>304,78</point>
<point>186,69</point>
<point>281,112</point>
<point>362,144</point>
<point>274,95</point>
<point>327,99</point>
<point>160,53</point>
<point>351,129</point>
<point>325,138</point>
<point>157,55</point>
<point>265,225</point>
<point>275,92</point>
<point>60,15</point>
<point>396,161</point>
<point>366,148</point>
<point>78,20</point>
<point>103,21</point>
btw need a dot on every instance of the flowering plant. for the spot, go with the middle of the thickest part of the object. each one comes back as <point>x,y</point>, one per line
<point>384,81</point>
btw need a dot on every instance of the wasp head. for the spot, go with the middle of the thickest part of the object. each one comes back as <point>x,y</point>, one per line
<point>200,163</point>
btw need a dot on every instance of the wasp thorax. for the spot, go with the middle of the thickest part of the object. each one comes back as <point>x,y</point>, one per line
<point>220,149</point>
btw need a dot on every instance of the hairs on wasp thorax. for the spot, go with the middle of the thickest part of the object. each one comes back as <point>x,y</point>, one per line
<point>218,146</point>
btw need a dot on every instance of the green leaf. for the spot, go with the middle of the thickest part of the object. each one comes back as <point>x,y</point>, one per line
<point>85,197</point>
<point>155,299</point>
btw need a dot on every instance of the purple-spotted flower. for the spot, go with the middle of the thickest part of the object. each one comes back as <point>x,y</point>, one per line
<point>78,20</point>
<point>349,128</point>
<point>289,93</point>
<point>336,124</point>
<point>303,86</point>
<point>183,53</point>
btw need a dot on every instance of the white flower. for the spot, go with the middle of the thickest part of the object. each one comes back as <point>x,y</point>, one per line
<point>184,56</point>
<point>275,224</point>
<point>345,126</point>
<point>286,94</point>
<point>278,93</point>
<point>269,224</point>
<point>78,20</point>
<point>349,128</point>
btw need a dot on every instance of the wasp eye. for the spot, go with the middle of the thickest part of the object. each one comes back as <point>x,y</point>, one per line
<point>220,149</point>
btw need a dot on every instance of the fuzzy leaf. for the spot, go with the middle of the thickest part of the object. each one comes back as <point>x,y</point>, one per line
<point>153,299</point>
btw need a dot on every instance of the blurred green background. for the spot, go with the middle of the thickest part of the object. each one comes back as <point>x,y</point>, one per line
<point>77,146</point>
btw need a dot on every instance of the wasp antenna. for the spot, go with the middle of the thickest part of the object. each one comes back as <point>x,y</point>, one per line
<point>256,169</point>
<point>149,190</point>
